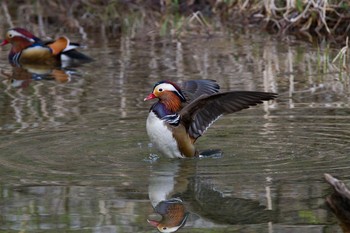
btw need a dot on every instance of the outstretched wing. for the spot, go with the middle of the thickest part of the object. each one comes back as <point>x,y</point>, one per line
<point>195,88</point>
<point>202,112</point>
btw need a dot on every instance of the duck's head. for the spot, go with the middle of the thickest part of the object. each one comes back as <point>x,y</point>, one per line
<point>173,215</point>
<point>18,37</point>
<point>166,90</point>
<point>169,94</point>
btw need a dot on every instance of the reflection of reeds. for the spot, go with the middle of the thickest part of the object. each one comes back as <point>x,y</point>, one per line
<point>303,74</point>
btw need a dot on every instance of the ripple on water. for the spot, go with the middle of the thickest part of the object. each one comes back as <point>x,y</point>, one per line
<point>284,145</point>
<point>68,156</point>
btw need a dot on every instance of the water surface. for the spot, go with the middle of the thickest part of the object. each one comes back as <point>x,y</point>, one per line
<point>75,157</point>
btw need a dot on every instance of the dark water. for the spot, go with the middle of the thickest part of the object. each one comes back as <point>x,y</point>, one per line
<point>75,157</point>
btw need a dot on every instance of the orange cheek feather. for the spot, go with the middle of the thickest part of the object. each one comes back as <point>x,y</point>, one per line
<point>172,102</point>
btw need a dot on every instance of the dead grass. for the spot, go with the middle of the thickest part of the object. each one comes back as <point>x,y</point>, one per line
<point>310,19</point>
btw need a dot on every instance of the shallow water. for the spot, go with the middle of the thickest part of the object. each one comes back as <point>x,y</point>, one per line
<point>75,157</point>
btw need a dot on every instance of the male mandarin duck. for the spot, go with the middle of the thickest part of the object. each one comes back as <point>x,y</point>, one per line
<point>182,115</point>
<point>29,49</point>
<point>173,215</point>
<point>339,202</point>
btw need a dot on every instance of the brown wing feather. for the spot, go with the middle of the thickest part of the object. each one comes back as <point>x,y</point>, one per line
<point>59,45</point>
<point>202,112</point>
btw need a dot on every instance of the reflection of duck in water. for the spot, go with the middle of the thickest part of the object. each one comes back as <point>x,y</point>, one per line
<point>339,202</point>
<point>173,215</point>
<point>21,76</point>
<point>182,198</point>
<point>29,49</point>
<point>183,114</point>
<point>167,181</point>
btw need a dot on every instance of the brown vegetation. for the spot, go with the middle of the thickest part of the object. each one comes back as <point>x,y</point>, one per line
<point>311,18</point>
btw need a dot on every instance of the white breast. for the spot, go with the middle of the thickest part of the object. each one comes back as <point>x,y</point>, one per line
<point>161,136</point>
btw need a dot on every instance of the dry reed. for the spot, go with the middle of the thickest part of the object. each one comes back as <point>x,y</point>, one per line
<point>321,19</point>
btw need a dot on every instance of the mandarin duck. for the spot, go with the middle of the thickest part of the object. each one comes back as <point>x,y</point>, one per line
<point>29,49</point>
<point>339,202</point>
<point>173,215</point>
<point>182,115</point>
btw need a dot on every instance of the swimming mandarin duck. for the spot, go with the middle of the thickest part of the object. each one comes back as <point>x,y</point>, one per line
<point>29,49</point>
<point>173,215</point>
<point>339,202</point>
<point>182,115</point>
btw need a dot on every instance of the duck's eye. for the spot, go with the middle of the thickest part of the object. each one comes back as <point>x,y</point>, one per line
<point>164,228</point>
<point>160,89</point>
<point>10,35</point>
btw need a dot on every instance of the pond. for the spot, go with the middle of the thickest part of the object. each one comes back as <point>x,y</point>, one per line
<point>75,156</point>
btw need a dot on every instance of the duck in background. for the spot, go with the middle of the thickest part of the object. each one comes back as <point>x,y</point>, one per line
<point>339,202</point>
<point>29,49</point>
<point>183,114</point>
